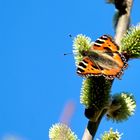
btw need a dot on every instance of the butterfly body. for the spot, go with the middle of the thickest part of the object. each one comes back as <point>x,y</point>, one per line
<point>102,59</point>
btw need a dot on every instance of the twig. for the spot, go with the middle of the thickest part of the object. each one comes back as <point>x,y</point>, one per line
<point>92,127</point>
<point>123,22</point>
<point>121,28</point>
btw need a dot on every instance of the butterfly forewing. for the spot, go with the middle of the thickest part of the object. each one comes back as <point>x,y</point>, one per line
<point>105,43</point>
<point>87,67</point>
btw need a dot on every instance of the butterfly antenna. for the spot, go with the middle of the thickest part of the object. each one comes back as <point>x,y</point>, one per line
<point>67,53</point>
<point>71,36</point>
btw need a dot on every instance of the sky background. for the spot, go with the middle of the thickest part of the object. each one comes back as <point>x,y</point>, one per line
<point>37,81</point>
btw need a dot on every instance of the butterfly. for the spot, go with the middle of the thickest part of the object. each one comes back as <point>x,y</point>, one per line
<point>102,59</point>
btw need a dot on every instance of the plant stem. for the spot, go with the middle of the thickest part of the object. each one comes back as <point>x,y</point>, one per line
<point>123,22</point>
<point>92,127</point>
<point>121,28</point>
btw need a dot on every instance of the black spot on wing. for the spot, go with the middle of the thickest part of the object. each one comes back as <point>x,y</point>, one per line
<point>79,70</point>
<point>82,65</point>
<point>95,67</point>
<point>99,41</point>
<point>98,67</point>
<point>96,45</point>
<point>85,61</point>
<point>110,53</point>
<point>107,49</point>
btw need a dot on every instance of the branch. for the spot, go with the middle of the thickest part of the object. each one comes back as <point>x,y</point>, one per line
<point>92,127</point>
<point>123,22</point>
<point>121,28</point>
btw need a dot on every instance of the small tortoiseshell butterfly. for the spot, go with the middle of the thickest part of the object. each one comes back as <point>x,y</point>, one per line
<point>102,59</point>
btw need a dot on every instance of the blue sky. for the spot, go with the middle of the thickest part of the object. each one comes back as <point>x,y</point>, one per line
<point>37,80</point>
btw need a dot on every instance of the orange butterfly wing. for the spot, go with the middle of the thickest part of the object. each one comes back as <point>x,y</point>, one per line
<point>105,43</point>
<point>110,53</point>
<point>87,67</point>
